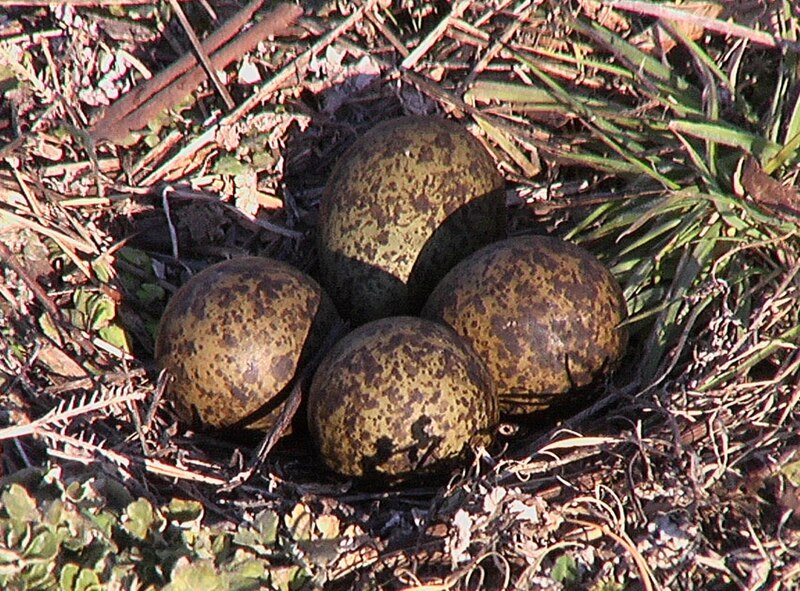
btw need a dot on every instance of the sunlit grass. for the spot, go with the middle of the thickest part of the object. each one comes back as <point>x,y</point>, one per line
<point>675,252</point>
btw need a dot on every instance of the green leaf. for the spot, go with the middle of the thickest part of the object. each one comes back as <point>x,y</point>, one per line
<point>197,576</point>
<point>565,570</point>
<point>785,154</point>
<point>286,578</point>
<point>140,518</point>
<point>692,266</point>
<point>792,472</point>
<point>43,546</point>
<point>81,300</point>
<point>151,140</point>
<point>114,492</point>
<point>728,135</point>
<point>612,135</point>
<point>19,505</point>
<point>102,269</point>
<point>49,328</point>
<point>38,576</point>
<point>103,310</point>
<point>117,336</point>
<point>261,535</point>
<point>75,578</point>
<point>54,514</point>
<point>648,72</point>
<point>149,293</point>
<point>250,568</point>
<point>266,524</point>
<point>7,557</point>
<point>184,511</point>
<point>87,580</point>
<point>135,257</point>
<point>263,161</point>
<point>508,92</point>
<point>230,165</point>
<point>246,574</point>
<point>788,338</point>
<point>68,576</point>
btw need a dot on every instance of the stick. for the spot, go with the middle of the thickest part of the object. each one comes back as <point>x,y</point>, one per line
<point>289,72</point>
<point>167,88</point>
<point>710,24</point>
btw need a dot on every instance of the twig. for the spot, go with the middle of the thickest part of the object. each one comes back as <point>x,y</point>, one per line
<point>645,574</point>
<point>44,299</point>
<point>167,88</point>
<point>289,409</point>
<point>276,431</point>
<point>201,55</point>
<point>13,218</point>
<point>711,24</point>
<point>522,12</point>
<point>290,71</point>
<point>433,37</point>
<point>65,412</point>
<point>173,235</point>
<point>242,217</point>
<point>91,3</point>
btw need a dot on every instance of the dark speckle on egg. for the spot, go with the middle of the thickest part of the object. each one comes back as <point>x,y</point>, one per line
<point>543,313</point>
<point>234,336</point>
<point>398,399</point>
<point>405,203</point>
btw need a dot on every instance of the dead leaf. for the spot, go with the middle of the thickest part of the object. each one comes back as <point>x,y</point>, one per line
<point>767,191</point>
<point>328,526</point>
<point>604,15</point>
<point>59,362</point>
<point>300,522</point>
<point>656,39</point>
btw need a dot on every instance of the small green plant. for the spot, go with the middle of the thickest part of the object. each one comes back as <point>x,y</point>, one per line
<point>91,534</point>
<point>565,570</point>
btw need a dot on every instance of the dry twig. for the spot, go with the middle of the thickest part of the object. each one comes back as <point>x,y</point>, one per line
<point>169,87</point>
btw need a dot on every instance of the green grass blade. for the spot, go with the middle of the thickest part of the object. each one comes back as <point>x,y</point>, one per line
<point>603,129</point>
<point>678,94</point>
<point>727,135</point>
<point>784,155</point>
<point>693,264</point>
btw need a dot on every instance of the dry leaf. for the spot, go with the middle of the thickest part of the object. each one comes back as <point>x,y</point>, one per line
<point>656,39</point>
<point>767,191</point>
<point>59,362</point>
<point>299,522</point>
<point>328,526</point>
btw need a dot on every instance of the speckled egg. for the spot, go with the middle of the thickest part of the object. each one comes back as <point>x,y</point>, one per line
<point>233,337</point>
<point>544,314</point>
<point>400,398</point>
<point>408,200</point>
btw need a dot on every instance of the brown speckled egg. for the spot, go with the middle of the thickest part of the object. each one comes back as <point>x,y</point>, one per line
<point>407,201</point>
<point>544,314</point>
<point>400,398</point>
<point>233,337</point>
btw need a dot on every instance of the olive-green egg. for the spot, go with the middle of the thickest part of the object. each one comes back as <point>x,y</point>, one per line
<point>233,337</point>
<point>398,399</point>
<point>407,201</point>
<point>544,314</point>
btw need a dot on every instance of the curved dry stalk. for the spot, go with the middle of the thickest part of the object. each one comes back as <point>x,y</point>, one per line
<point>645,574</point>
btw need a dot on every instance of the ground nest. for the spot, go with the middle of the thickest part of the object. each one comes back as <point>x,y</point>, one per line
<point>661,137</point>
